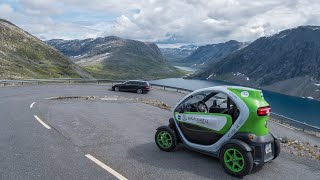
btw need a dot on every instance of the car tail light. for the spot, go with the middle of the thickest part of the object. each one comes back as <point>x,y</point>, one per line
<point>148,87</point>
<point>264,111</point>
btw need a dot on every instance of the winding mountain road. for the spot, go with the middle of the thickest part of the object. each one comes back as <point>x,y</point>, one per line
<point>79,139</point>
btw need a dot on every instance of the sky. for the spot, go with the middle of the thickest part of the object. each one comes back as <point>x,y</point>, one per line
<point>161,21</point>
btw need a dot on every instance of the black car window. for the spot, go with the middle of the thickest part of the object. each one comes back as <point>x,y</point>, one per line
<point>188,105</point>
<point>141,83</point>
<point>217,100</point>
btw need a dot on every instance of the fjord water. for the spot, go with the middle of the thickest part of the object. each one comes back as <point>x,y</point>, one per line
<point>300,109</point>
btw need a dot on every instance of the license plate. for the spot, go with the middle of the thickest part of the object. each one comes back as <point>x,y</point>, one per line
<point>268,148</point>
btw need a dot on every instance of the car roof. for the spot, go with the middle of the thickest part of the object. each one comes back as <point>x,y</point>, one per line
<point>239,87</point>
<point>136,81</point>
<point>225,88</point>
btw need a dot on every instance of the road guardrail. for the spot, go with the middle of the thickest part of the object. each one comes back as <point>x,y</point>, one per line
<point>294,123</point>
<point>275,117</point>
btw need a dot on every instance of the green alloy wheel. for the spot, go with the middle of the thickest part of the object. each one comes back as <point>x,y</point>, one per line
<point>165,138</point>
<point>236,161</point>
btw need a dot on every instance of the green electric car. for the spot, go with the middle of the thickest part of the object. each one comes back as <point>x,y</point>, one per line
<point>228,122</point>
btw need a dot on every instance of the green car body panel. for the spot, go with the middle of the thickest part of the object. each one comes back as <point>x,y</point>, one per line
<point>255,124</point>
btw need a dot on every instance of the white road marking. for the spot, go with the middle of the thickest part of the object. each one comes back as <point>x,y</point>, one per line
<point>105,167</point>
<point>31,105</point>
<point>41,122</point>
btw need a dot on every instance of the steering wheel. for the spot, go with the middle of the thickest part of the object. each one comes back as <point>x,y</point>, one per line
<point>202,107</point>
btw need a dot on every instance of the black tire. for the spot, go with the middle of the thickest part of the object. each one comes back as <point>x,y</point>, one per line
<point>139,91</point>
<point>117,89</point>
<point>167,131</point>
<point>247,161</point>
<point>173,127</point>
<point>276,148</point>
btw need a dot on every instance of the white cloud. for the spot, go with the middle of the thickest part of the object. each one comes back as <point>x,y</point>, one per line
<point>172,21</point>
<point>5,10</point>
<point>42,7</point>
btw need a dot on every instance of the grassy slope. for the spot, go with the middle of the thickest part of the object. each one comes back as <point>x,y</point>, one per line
<point>132,61</point>
<point>142,68</point>
<point>24,56</point>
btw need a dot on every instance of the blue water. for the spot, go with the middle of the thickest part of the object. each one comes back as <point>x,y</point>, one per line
<point>301,109</point>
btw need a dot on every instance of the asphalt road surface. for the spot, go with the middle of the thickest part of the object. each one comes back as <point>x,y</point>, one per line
<point>79,139</point>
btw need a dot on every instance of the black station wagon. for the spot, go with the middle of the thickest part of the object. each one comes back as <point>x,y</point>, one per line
<point>133,86</point>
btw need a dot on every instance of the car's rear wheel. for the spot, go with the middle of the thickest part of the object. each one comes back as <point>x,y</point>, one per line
<point>166,139</point>
<point>116,89</point>
<point>276,148</point>
<point>139,91</point>
<point>236,160</point>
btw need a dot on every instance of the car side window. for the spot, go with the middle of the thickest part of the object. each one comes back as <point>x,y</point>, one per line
<point>189,105</point>
<point>219,100</point>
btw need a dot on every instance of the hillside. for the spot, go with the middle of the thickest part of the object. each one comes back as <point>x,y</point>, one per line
<point>175,55</point>
<point>25,56</point>
<point>116,58</point>
<point>279,63</point>
<point>207,54</point>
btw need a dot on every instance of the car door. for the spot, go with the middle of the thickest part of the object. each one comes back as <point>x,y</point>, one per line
<point>202,127</point>
<point>131,86</point>
<point>135,86</point>
<point>125,86</point>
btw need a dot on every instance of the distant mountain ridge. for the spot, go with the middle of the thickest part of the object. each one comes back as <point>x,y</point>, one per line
<point>210,53</point>
<point>114,57</point>
<point>175,55</point>
<point>280,63</point>
<point>25,56</point>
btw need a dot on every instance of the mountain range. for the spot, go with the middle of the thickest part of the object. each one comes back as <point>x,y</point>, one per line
<point>287,62</point>
<point>24,56</point>
<point>117,58</point>
<point>175,55</point>
<point>208,54</point>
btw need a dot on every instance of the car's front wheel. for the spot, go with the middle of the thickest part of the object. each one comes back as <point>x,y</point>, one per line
<point>116,89</point>
<point>166,139</point>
